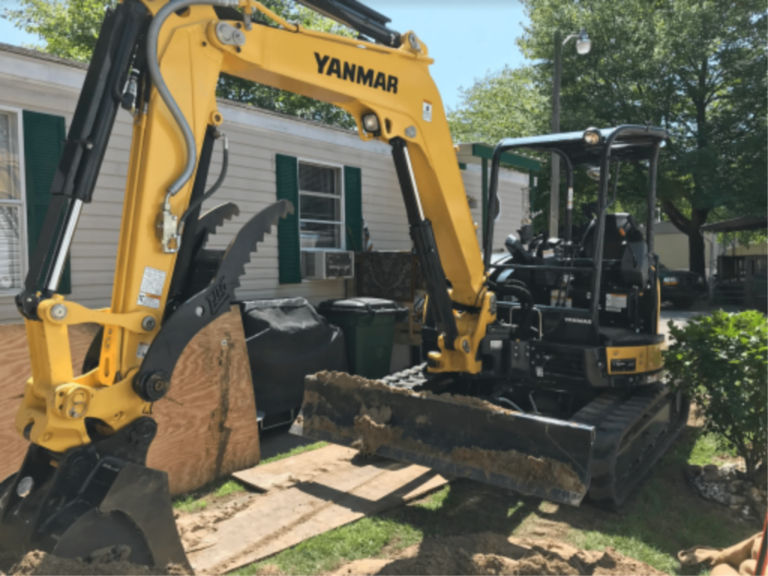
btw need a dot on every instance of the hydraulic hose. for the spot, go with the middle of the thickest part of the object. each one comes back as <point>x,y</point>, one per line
<point>153,64</point>
<point>527,304</point>
<point>212,190</point>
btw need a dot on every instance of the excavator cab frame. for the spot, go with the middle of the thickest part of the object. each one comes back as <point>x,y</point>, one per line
<point>596,148</point>
<point>592,147</point>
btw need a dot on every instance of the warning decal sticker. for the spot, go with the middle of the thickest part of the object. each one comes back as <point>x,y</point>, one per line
<point>427,109</point>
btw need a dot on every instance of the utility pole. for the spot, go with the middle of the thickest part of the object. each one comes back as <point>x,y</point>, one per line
<point>554,182</point>
<point>583,46</point>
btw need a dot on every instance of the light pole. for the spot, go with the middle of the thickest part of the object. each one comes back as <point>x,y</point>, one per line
<point>583,46</point>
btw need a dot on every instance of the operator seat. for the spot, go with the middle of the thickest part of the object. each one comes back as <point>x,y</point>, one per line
<point>623,241</point>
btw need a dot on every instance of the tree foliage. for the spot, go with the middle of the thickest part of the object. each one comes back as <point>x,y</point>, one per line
<point>70,28</point>
<point>694,67</point>
<point>500,105</point>
<point>720,363</point>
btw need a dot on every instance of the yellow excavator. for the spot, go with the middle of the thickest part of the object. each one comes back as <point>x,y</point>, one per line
<point>542,373</point>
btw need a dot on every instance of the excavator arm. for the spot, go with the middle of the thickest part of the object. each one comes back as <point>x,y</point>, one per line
<point>387,90</point>
<point>162,61</point>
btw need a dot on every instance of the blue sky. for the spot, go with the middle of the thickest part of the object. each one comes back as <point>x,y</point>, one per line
<point>467,38</point>
<point>9,34</point>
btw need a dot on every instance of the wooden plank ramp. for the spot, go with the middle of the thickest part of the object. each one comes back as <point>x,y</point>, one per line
<point>307,495</point>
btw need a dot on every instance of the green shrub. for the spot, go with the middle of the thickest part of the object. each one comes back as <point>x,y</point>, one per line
<point>719,361</point>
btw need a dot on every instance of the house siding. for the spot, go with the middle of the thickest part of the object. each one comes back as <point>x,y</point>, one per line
<point>52,86</point>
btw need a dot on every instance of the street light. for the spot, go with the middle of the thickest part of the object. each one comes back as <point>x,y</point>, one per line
<point>583,46</point>
<point>583,43</point>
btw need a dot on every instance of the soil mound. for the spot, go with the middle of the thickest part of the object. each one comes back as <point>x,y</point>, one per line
<point>491,554</point>
<point>106,562</point>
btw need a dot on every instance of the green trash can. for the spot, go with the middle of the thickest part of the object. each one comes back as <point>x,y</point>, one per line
<point>369,331</point>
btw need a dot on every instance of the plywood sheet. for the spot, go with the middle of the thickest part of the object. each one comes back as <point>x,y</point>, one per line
<point>330,487</point>
<point>300,468</point>
<point>15,370</point>
<point>207,424</point>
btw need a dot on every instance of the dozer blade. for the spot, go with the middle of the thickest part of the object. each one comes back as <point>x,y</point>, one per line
<point>457,435</point>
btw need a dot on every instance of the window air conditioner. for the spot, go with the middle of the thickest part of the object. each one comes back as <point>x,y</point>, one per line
<point>327,265</point>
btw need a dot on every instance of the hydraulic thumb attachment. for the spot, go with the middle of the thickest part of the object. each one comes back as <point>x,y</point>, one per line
<point>453,434</point>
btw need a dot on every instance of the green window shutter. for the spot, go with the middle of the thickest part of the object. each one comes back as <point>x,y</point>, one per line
<point>44,136</point>
<point>353,208</point>
<point>288,244</point>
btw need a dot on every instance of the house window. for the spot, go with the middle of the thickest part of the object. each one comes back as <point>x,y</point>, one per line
<point>12,213</point>
<point>321,206</point>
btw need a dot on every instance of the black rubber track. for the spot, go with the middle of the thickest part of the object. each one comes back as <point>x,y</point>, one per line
<point>619,418</point>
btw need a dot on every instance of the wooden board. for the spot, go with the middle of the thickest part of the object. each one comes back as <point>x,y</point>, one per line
<point>333,486</point>
<point>207,424</point>
<point>301,468</point>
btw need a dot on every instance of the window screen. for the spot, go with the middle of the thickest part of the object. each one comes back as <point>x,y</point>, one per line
<point>321,213</point>
<point>11,205</point>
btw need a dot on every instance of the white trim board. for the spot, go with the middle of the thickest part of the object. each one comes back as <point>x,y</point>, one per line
<point>40,71</point>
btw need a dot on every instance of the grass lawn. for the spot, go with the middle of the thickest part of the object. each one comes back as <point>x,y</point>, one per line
<point>661,518</point>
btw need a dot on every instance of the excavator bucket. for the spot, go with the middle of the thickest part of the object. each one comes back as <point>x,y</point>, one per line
<point>91,499</point>
<point>455,435</point>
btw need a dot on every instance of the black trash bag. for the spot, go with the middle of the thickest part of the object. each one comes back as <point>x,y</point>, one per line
<point>287,340</point>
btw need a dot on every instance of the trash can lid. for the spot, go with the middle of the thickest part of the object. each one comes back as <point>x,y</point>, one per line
<point>361,305</point>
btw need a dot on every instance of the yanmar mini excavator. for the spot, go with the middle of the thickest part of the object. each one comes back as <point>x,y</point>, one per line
<point>518,391</point>
<point>559,389</point>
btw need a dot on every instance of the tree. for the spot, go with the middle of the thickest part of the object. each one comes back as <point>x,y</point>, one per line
<point>500,105</point>
<point>695,67</point>
<point>70,28</point>
<point>503,104</point>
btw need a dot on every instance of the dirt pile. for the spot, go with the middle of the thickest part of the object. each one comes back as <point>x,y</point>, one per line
<point>490,554</point>
<point>106,562</point>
